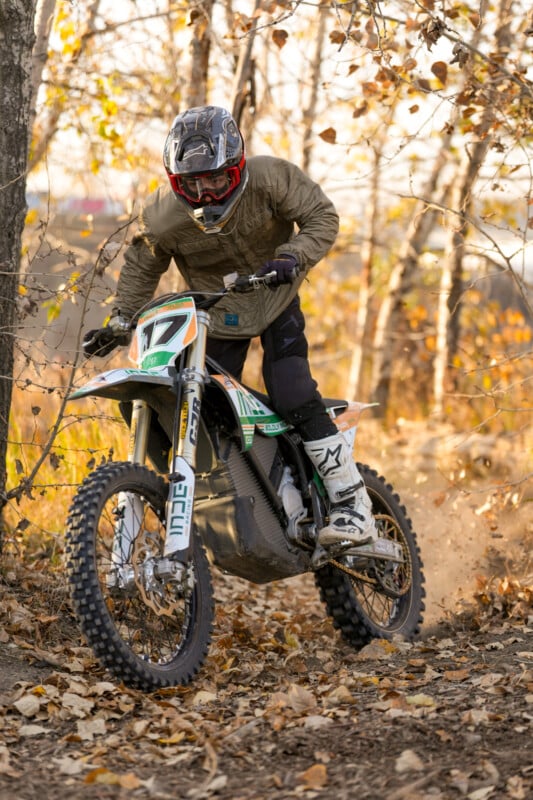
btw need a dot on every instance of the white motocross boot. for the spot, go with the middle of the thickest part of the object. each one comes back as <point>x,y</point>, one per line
<point>350,520</point>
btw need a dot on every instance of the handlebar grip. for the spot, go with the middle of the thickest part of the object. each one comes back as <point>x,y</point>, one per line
<point>102,341</point>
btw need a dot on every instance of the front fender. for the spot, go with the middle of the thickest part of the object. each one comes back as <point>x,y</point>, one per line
<point>124,384</point>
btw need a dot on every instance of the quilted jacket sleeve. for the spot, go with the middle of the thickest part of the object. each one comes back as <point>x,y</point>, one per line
<point>298,198</point>
<point>144,263</point>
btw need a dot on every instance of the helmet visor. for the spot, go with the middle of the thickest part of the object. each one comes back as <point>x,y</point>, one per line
<point>206,187</point>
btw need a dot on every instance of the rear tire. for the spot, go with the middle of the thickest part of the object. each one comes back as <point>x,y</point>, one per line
<point>382,602</point>
<point>148,632</point>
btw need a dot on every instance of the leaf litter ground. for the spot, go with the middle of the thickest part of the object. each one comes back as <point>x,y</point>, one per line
<point>283,708</point>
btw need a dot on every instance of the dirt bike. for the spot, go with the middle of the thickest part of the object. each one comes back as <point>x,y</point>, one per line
<point>231,487</point>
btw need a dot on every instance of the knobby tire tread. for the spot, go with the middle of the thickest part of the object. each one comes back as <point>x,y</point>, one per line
<point>89,603</point>
<point>336,590</point>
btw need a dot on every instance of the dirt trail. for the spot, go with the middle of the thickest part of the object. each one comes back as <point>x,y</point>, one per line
<point>283,708</point>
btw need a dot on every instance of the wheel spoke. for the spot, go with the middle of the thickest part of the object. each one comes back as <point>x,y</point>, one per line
<point>156,621</point>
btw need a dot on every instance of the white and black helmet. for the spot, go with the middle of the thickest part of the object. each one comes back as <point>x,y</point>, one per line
<point>206,164</point>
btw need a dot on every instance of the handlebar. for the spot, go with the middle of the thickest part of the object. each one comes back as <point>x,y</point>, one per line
<point>102,341</point>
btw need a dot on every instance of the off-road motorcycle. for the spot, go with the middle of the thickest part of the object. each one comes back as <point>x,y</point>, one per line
<point>230,486</point>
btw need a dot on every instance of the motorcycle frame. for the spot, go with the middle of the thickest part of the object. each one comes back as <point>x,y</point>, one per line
<point>187,383</point>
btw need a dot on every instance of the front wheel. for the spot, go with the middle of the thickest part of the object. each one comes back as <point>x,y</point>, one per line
<point>146,619</point>
<point>375,598</point>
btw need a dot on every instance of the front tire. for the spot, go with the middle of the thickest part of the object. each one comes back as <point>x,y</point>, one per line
<point>375,600</point>
<point>148,632</point>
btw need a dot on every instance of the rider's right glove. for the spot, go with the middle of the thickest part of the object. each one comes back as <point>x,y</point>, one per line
<point>286,269</point>
<point>102,341</point>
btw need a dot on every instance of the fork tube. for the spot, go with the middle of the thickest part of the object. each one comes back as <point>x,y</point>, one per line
<point>193,382</point>
<point>141,415</point>
<point>182,479</point>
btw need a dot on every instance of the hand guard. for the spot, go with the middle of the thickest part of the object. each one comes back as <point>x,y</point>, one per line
<point>286,269</point>
<point>102,341</point>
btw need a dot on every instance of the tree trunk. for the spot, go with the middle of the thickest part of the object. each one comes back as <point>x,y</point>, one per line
<point>309,113</point>
<point>16,43</point>
<point>367,256</point>
<point>399,283</point>
<point>450,291</point>
<point>242,94</point>
<point>200,48</point>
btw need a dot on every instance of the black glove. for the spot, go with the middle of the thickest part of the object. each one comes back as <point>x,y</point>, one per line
<point>102,341</point>
<point>286,269</point>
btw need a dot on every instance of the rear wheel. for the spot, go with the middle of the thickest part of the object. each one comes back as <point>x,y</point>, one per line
<point>147,620</point>
<point>377,598</point>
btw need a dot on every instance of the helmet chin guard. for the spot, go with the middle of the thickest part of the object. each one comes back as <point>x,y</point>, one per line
<point>205,161</point>
<point>211,218</point>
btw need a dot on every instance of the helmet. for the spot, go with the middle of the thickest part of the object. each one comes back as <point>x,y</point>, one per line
<point>206,165</point>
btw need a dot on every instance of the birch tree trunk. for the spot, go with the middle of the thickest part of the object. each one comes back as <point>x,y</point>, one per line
<point>16,43</point>
<point>367,256</point>
<point>309,113</point>
<point>399,282</point>
<point>450,290</point>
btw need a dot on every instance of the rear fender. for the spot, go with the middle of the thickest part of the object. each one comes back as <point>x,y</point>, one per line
<point>347,419</point>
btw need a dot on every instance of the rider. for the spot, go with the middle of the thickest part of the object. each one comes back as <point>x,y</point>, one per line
<point>224,213</point>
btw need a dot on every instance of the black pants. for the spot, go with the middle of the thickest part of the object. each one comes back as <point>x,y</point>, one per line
<point>286,372</point>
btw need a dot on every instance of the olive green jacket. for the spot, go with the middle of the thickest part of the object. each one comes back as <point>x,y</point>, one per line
<point>281,211</point>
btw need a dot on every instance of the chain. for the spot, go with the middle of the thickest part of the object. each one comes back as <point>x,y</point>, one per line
<point>374,581</point>
<point>352,572</point>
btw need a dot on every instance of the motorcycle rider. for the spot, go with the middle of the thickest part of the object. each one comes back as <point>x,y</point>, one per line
<point>221,213</point>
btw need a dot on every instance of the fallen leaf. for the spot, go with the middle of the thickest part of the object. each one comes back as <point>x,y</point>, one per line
<point>481,794</point>
<point>32,730</point>
<point>300,699</point>
<point>69,766</point>
<point>28,705</point>
<point>316,721</point>
<point>87,730</point>
<point>457,674</point>
<point>408,761</point>
<point>339,695</point>
<point>202,697</point>
<point>420,700</point>
<point>475,716</point>
<point>315,777</point>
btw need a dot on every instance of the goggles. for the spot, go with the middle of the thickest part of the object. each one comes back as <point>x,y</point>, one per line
<point>206,187</point>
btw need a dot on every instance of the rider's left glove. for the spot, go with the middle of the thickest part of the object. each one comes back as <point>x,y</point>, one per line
<point>286,269</point>
<point>102,341</point>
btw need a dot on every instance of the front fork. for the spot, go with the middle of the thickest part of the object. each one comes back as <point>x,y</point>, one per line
<point>182,475</point>
<point>129,511</point>
<point>180,502</point>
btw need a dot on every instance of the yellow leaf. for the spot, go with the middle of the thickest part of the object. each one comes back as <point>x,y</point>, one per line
<point>31,216</point>
<point>67,30</point>
<point>176,738</point>
<point>420,700</point>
